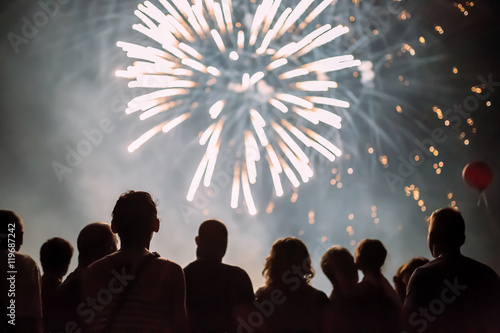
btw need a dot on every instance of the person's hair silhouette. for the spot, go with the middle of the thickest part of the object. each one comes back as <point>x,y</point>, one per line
<point>370,256</point>
<point>300,307</point>
<point>55,257</point>
<point>404,273</point>
<point>338,265</point>
<point>452,292</point>
<point>216,294</point>
<point>94,241</point>
<point>28,304</point>
<point>285,254</point>
<point>135,219</point>
<point>380,307</point>
<point>150,294</point>
<point>11,223</point>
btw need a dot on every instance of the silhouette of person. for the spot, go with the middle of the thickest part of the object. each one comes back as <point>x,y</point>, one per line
<point>452,292</point>
<point>216,293</point>
<point>133,289</point>
<point>94,241</point>
<point>338,265</point>
<point>55,257</point>
<point>288,303</point>
<point>380,306</point>
<point>404,273</point>
<point>20,290</point>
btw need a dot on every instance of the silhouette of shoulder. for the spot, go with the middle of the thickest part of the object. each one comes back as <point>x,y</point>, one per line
<point>460,263</point>
<point>113,260</point>
<point>297,292</point>
<point>208,281</point>
<point>28,290</point>
<point>68,296</point>
<point>150,303</point>
<point>296,308</point>
<point>343,313</point>
<point>468,288</point>
<point>153,281</point>
<point>215,293</point>
<point>203,269</point>
<point>435,275</point>
<point>202,264</point>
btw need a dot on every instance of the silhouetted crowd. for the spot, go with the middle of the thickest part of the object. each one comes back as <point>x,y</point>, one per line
<point>135,290</point>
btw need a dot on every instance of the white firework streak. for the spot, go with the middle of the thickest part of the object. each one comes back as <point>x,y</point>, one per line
<point>205,49</point>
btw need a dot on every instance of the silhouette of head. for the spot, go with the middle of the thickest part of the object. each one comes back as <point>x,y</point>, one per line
<point>10,223</point>
<point>446,231</point>
<point>288,255</point>
<point>95,241</point>
<point>55,256</point>
<point>404,273</point>
<point>338,265</point>
<point>370,255</point>
<point>135,219</point>
<point>211,240</point>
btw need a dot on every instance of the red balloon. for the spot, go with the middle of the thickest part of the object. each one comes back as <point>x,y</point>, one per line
<point>478,175</point>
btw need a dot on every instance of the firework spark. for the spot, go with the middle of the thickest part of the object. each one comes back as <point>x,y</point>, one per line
<point>251,71</point>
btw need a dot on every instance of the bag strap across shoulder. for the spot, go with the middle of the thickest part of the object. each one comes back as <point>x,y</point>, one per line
<point>126,290</point>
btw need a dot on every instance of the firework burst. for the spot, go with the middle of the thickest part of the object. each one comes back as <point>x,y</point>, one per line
<point>255,78</point>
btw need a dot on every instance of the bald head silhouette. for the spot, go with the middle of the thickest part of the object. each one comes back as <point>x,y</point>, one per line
<point>211,240</point>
